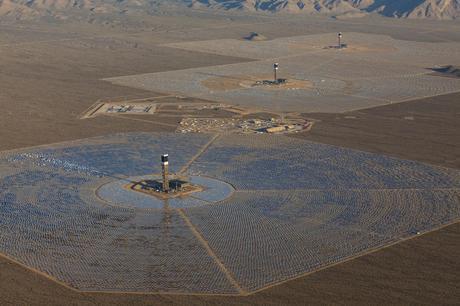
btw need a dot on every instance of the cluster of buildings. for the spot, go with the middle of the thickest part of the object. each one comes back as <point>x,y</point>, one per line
<point>117,109</point>
<point>243,126</point>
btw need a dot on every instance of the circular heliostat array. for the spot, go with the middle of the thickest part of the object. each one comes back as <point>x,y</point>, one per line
<point>269,208</point>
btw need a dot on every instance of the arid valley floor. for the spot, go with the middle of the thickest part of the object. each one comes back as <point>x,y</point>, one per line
<point>379,99</point>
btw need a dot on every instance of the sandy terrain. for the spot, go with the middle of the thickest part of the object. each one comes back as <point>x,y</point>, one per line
<point>42,97</point>
<point>418,130</point>
<point>48,94</point>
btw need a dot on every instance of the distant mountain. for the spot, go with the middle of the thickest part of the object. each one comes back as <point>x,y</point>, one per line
<point>290,6</point>
<point>62,9</point>
<point>438,9</point>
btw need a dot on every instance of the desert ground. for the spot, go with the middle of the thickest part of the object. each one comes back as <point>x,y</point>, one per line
<point>52,73</point>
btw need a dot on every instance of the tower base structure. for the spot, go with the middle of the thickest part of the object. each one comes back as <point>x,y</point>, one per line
<point>177,187</point>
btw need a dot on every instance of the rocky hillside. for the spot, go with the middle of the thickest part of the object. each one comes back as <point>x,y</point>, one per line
<point>62,9</point>
<point>439,9</point>
<point>290,6</point>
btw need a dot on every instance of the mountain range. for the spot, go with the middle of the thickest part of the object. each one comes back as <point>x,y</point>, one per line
<point>439,9</point>
<point>435,9</point>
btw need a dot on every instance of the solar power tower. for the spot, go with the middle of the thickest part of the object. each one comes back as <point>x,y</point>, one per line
<point>339,36</point>
<point>164,168</point>
<point>275,70</point>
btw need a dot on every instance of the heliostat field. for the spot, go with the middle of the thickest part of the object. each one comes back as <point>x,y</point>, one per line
<point>373,70</point>
<point>274,208</point>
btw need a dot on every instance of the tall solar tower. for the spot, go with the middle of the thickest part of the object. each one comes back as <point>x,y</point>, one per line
<point>276,66</point>
<point>164,168</point>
